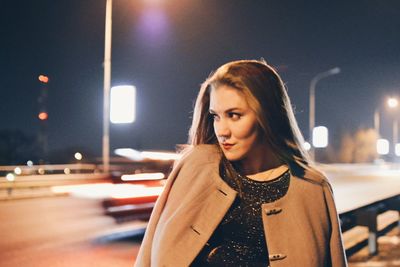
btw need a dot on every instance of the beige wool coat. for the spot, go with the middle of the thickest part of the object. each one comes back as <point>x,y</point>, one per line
<point>301,228</point>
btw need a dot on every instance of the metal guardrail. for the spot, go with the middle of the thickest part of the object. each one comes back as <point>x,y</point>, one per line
<point>37,180</point>
<point>33,186</point>
<point>18,181</point>
<point>368,216</point>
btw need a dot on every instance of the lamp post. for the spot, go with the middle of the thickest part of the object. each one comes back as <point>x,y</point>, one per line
<point>393,104</point>
<point>377,122</point>
<point>107,85</point>
<point>313,84</point>
<point>395,132</point>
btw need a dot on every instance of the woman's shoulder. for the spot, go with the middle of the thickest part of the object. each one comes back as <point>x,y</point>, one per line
<point>315,180</point>
<point>314,175</point>
<point>200,154</point>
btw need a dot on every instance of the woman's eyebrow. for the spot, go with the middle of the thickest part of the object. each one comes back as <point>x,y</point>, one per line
<point>226,111</point>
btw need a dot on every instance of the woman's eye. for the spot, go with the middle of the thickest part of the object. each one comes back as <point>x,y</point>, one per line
<point>234,116</point>
<point>213,116</point>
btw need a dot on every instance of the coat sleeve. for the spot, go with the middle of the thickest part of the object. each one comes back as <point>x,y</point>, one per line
<point>143,258</point>
<point>337,252</point>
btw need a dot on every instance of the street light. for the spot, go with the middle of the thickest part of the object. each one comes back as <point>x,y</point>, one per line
<point>107,88</point>
<point>18,171</point>
<point>78,156</point>
<point>392,103</point>
<point>122,104</point>
<point>397,150</point>
<point>107,85</point>
<point>313,84</point>
<point>382,146</point>
<point>307,146</point>
<point>320,137</point>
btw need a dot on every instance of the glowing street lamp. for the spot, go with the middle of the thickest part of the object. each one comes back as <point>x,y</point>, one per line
<point>307,146</point>
<point>320,137</point>
<point>78,156</point>
<point>122,105</point>
<point>382,146</point>
<point>18,171</point>
<point>397,150</point>
<point>107,85</point>
<point>311,114</point>
<point>392,102</point>
<point>10,177</point>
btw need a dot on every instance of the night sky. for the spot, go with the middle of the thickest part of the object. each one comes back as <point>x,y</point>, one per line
<point>166,48</point>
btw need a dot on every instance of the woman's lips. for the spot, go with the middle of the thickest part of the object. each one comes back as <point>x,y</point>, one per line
<point>227,146</point>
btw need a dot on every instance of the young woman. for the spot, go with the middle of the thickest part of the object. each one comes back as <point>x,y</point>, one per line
<point>244,193</point>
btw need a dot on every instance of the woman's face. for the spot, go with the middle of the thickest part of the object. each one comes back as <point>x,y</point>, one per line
<point>235,124</point>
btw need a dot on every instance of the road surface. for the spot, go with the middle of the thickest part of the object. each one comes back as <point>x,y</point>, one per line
<point>62,231</point>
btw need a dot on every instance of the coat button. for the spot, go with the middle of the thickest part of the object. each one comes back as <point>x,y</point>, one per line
<point>275,257</point>
<point>273,211</point>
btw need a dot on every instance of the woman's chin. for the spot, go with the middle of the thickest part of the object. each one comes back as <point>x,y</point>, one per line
<point>232,156</point>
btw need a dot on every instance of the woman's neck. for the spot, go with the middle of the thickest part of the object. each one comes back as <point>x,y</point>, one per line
<point>259,161</point>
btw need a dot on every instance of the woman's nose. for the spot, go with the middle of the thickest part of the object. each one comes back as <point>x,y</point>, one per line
<point>222,129</point>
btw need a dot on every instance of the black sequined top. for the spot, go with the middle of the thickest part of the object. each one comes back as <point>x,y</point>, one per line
<point>239,239</point>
